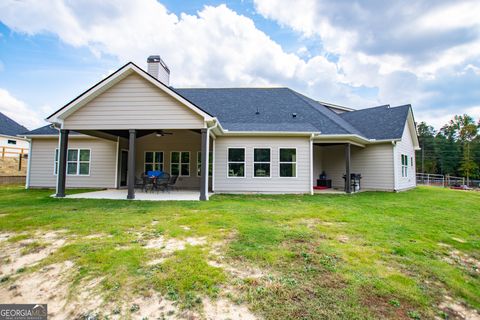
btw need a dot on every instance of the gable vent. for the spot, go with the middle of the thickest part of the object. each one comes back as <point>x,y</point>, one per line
<point>294,115</point>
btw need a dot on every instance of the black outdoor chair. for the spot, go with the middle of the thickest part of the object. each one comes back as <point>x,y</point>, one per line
<point>162,181</point>
<point>147,183</point>
<point>171,183</point>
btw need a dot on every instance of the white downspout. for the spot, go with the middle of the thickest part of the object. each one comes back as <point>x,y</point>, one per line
<point>207,157</point>
<point>29,163</point>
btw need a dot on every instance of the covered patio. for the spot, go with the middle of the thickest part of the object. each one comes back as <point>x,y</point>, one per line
<point>121,194</point>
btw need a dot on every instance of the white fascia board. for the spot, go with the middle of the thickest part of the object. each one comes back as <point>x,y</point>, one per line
<point>17,137</point>
<point>100,87</point>
<point>267,133</point>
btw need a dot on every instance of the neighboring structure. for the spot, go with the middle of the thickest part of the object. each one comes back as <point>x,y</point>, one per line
<point>265,140</point>
<point>10,142</point>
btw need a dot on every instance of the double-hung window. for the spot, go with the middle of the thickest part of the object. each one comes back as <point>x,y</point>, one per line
<point>153,161</point>
<point>236,162</point>
<point>180,163</point>
<point>288,162</point>
<point>261,162</point>
<point>78,162</point>
<point>404,165</point>
<point>199,163</point>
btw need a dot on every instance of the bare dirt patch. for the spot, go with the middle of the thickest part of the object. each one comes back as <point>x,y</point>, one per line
<point>16,256</point>
<point>168,246</point>
<point>456,257</point>
<point>223,308</point>
<point>4,236</point>
<point>458,311</point>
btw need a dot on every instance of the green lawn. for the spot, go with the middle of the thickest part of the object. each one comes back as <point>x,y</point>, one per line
<point>363,256</point>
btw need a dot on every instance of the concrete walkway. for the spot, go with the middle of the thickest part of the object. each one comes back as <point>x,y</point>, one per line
<point>121,194</point>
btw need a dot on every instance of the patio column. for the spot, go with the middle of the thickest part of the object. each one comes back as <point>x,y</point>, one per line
<point>62,163</point>
<point>348,185</point>
<point>204,166</point>
<point>132,135</point>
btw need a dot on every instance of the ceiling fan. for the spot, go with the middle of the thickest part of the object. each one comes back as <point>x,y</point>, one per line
<point>161,133</point>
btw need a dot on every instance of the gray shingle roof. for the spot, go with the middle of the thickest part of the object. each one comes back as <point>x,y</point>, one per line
<point>45,130</point>
<point>236,108</point>
<point>383,122</point>
<point>9,127</point>
<point>272,109</point>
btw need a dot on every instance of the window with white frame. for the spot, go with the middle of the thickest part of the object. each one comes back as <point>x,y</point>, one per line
<point>404,165</point>
<point>288,162</point>
<point>180,163</point>
<point>261,162</point>
<point>78,162</point>
<point>199,163</point>
<point>236,162</point>
<point>153,161</point>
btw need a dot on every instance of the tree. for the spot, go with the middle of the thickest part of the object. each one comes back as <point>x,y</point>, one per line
<point>465,130</point>
<point>426,159</point>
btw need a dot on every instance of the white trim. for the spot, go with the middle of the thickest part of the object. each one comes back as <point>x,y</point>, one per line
<point>244,163</point>
<point>153,163</point>
<point>122,73</point>
<point>267,133</point>
<point>280,162</point>
<point>395,167</point>
<point>207,155</point>
<point>29,164</point>
<point>261,162</point>
<point>17,137</point>
<point>311,164</point>
<point>117,159</point>
<point>213,165</point>
<point>76,161</point>
<point>180,163</point>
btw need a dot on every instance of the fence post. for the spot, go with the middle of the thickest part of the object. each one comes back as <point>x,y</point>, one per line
<point>428,179</point>
<point>3,153</point>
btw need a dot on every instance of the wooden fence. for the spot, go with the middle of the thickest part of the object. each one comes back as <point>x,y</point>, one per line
<point>12,180</point>
<point>21,154</point>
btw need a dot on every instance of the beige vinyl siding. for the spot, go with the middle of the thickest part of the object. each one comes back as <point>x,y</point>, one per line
<point>134,103</point>
<point>180,140</point>
<point>405,146</point>
<point>274,184</point>
<point>374,163</point>
<point>102,163</point>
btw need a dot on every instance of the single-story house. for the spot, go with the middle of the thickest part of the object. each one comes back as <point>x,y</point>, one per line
<point>250,140</point>
<point>11,145</point>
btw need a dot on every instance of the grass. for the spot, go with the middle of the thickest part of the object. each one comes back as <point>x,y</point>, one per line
<point>364,256</point>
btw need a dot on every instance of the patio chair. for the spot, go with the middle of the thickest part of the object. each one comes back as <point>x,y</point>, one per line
<point>147,183</point>
<point>140,183</point>
<point>171,183</point>
<point>162,181</point>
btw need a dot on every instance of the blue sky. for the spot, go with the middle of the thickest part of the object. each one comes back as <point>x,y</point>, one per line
<point>358,54</point>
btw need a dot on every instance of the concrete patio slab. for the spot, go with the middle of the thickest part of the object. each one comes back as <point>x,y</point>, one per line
<point>121,194</point>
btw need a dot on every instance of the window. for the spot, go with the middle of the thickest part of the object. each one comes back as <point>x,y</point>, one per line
<point>11,141</point>
<point>78,162</point>
<point>404,165</point>
<point>199,163</point>
<point>288,162</point>
<point>153,161</point>
<point>236,162</point>
<point>180,163</point>
<point>261,162</point>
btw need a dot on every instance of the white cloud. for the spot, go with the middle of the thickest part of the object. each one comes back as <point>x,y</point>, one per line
<point>20,111</point>
<point>388,46</point>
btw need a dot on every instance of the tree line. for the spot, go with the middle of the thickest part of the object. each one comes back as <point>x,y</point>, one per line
<point>452,150</point>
